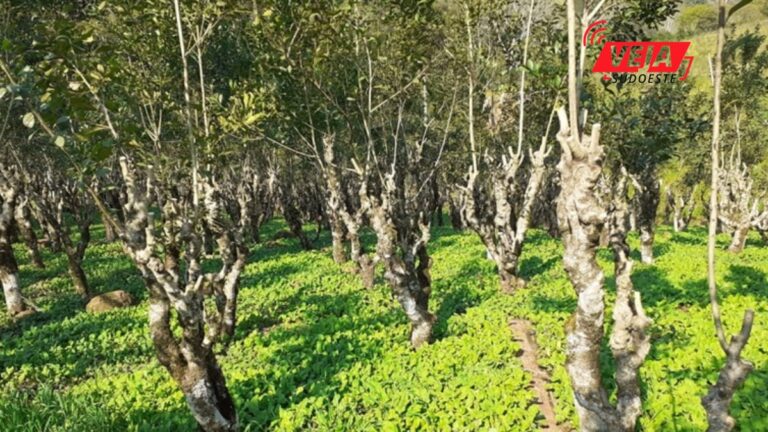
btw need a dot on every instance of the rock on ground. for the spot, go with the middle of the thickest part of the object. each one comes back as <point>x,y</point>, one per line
<point>109,301</point>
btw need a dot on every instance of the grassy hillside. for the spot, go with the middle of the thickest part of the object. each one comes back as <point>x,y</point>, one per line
<point>703,44</point>
<point>315,351</point>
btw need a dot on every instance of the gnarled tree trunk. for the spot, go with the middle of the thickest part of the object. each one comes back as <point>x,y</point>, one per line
<point>649,204</point>
<point>189,358</point>
<point>629,341</point>
<point>406,264</point>
<point>581,219</point>
<point>292,215</point>
<point>490,212</point>
<point>53,198</point>
<point>9,269</point>
<point>738,210</point>
<point>717,401</point>
<point>23,218</point>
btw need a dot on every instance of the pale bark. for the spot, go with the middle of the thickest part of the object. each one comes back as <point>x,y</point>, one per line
<point>407,264</point>
<point>23,218</point>
<point>334,198</point>
<point>366,265</point>
<point>490,211</point>
<point>738,209</point>
<point>53,198</point>
<point>177,282</point>
<point>629,340</point>
<point>649,203</point>
<point>9,277</point>
<point>581,219</point>
<point>9,269</point>
<point>717,402</point>
<point>681,208</point>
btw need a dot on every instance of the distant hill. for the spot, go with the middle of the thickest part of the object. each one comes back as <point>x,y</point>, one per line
<point>692,23</point>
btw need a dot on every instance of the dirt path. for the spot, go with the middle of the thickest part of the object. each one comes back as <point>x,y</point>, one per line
<point>525,335</point>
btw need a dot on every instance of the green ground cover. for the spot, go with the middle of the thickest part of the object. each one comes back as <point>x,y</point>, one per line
<point>316,351</point>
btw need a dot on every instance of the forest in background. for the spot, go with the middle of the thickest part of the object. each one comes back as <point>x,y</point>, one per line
<point>368,215</point>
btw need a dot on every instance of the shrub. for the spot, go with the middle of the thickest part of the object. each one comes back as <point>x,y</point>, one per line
<point>697,19</point>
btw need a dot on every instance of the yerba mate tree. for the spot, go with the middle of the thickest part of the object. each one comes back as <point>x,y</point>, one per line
<point>169,255</point>
<point>250,197</point>
<point>350,210</point>
<point>25,224</point>
<point>629,340</point>
<point>680,206</point>
<point>489,209</point>
<point>717,401</point>
<point>581,217</point>
<point>59,201</point>
<point>291,191</point>
<point>739,210</point>
<point>401,204</point>
<point>10,186</point>
<point>494,202</point>
<point>335,202</point>
<point>401,134</point>
<point>167,140</point>
<point>648,201</point>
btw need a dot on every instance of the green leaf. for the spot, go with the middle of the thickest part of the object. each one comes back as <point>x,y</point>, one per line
<point>738,6</point>
<point>28,120</point>
<point>251,119</point>
<point>59,141</point>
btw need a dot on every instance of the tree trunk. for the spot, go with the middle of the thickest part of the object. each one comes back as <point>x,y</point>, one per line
<point>30,239</point>
<point>605,237</point>
<point>411,286</point>
<point>739,239</point>
<point>337,237</point>
<point>75,268</point>
<point>367,271</point>
<point>581,219</point>
<point>197,373</point>
<point>490,210</point>
<point>24,223</point>
<point>646,244</point>
<point>649,203</point>
<point>9,277</point>
<point>456,220</point>
<point>293,219</point>
<point>109,233</point>
<point>510,281</point>
<point>54,245</point>
<point>9,268</point>
<point>410,281</point>
<point>733,374</point>
<point>717,402</point>
<point>629,340</point>
<point>677,220</point>
<point>366,267</point>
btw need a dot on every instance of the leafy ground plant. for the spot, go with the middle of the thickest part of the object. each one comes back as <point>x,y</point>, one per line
<point>315,350</point>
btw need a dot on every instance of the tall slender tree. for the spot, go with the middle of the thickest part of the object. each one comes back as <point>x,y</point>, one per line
<point>717,401</point>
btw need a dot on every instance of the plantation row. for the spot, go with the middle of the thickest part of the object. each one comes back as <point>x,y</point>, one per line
<point>186,130</point>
